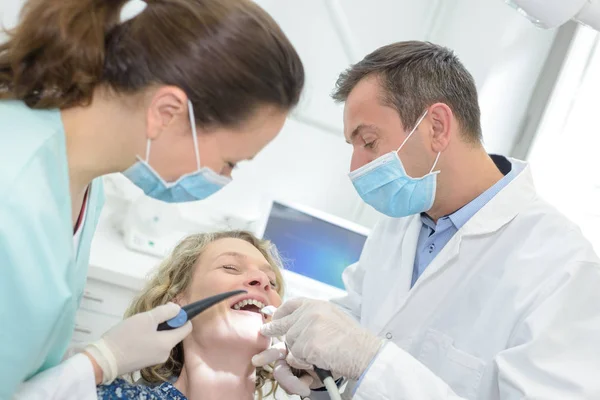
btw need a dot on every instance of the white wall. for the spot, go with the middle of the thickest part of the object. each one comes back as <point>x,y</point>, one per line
<point>564,155</point>
<point>308,163</point>
<point>9,11</point>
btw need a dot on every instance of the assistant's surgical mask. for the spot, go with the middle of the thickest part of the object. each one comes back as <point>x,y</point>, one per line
<point>384,184</point>
<point>194,186</point>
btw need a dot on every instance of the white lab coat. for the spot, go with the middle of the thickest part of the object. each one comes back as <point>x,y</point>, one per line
<point>509,309</point>
<point>72,379</point>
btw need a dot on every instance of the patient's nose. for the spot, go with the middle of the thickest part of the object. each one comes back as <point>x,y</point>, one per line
<point>258,279</point>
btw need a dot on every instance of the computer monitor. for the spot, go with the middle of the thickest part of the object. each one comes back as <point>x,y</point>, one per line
<point>314,244</point>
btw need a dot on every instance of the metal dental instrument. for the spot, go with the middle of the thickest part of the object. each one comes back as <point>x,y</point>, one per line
<point>191,310</point>
<point>324,375</point>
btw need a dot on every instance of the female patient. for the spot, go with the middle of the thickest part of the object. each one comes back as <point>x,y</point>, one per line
<point>214,361</point>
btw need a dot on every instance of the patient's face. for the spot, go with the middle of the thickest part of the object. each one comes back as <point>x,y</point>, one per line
<point>225,265</point>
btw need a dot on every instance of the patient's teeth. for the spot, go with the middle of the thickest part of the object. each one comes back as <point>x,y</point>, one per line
<point>246,302</point>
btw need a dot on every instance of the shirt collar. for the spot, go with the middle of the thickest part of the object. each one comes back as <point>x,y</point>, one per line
<point>460,217</point>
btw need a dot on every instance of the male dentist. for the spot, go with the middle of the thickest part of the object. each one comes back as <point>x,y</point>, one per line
<point>472,286</point>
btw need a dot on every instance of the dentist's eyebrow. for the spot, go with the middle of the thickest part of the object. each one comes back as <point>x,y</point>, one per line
<point>360,129</point>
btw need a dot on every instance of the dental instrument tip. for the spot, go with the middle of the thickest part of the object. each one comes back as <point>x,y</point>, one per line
<point>268,310</point>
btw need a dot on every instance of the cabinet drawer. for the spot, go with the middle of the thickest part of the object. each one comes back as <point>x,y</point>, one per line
<point>90,326</point>
<point>106,298</point>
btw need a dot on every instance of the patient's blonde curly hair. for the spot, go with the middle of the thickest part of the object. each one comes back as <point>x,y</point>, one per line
<point>174,275</point>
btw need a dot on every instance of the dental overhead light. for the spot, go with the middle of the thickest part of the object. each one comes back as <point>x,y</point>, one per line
<point>554,13</point>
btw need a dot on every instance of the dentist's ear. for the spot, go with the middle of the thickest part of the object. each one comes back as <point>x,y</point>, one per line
<point>441,120</point>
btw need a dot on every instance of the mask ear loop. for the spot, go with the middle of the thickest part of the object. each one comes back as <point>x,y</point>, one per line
<point>435,162</point>
<point>413,130</point>
<point>148,150</point>
<point>194,138</point>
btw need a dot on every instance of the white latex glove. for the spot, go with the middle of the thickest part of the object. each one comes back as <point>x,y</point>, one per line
<point>135,343</point>
<point>319,333</point>
<point>282,372</point>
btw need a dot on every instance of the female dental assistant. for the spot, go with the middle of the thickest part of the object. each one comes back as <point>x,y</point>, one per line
<point>161,97</point>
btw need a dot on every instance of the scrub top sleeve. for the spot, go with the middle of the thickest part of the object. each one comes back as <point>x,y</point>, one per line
<point>73,379</point>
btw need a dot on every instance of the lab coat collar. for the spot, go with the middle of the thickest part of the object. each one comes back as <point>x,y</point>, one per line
<point>505,205</point>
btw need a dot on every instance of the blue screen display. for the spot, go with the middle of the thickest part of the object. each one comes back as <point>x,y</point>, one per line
<point>311,246</point>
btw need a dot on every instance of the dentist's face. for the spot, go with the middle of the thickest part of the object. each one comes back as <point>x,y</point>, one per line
<point>374,129</point>
<point>231,264</point>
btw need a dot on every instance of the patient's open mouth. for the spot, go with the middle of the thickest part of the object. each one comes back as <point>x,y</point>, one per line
<point>248,305</point>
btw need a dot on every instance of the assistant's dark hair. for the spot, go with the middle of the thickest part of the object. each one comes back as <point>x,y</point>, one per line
<point>229,56</point>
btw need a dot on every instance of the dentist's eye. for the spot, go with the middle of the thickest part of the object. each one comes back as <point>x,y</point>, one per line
<point>370,145</point>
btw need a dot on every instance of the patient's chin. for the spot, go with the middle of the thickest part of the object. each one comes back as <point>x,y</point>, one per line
<point>246,327</point>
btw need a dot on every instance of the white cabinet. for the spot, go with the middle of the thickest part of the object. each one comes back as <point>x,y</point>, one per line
<point>106,298</point>
<point>102,306</point>
<point>90,326</point>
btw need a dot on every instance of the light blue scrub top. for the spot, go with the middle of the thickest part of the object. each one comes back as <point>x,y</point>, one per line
<point>42,275</point>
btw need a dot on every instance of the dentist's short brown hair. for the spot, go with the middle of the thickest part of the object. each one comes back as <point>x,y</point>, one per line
<point>414,75</point>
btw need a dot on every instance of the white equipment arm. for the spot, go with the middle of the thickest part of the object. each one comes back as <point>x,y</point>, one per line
<point>554,13</point>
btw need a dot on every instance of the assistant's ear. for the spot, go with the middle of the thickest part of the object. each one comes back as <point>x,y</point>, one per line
<point>167,105</point>
<point>440,117</point>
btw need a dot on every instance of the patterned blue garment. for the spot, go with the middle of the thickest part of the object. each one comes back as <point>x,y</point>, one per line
<point>121,389</point>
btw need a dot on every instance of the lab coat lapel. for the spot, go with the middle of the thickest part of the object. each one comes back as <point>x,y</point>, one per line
<point>412,315</point>
<point>445,258</point>
<point>395,282</point>
<point>498,212</point>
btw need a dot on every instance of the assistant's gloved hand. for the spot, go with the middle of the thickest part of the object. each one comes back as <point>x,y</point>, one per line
<point>282,372</point>
<point>319,333</point>
<point>135,343</point>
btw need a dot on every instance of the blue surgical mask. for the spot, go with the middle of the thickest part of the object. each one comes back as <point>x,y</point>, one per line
<point>194,186</point>
<point>384,184</point>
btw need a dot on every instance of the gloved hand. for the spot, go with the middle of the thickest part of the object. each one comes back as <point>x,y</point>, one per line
<point>135,343</point>
<point>282,372</point>
<point>319,333</point>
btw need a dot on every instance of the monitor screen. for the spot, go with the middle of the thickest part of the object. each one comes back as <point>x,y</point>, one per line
<point>314,246</point>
